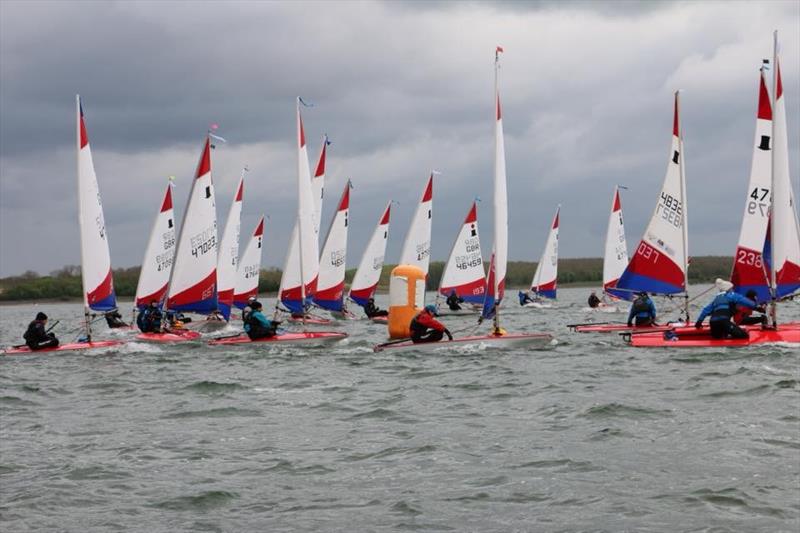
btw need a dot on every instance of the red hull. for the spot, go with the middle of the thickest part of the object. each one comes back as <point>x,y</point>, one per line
<point>309,336</point>
<point>509,340</point>
<point>380,319</point>
<point>615,328</point>
<point>691,337</point>
<point>183,336</point>
<point>24,350</point>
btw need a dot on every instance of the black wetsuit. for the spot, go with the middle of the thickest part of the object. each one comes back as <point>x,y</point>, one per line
<point>372,310</point>
<point>453,300</point>
<point>114,320</point>
<point>594,301</point>
<point>149,320</point>
<point>37,338</point>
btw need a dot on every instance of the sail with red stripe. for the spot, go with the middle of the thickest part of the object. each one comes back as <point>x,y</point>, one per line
<point>750,270</point>
<point>98,282</point>
<point>463,273</point>
<point>660,261</point>
<point>615,258</point>
<point>545,277</point>
<point>158,256</point>
<point>227,263</point>
<point>417,246</point>
<point>249,268</point>
<point>369,269</point>
<point>784,225</point>
<point>302,259</point>
<point>318,185</point>
<point>193,284</point>
<point>332,262</point>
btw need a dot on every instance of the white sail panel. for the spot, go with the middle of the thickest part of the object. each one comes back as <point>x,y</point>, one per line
<point>615,258</point>
<point>98,283</point>
<point>227,264</point>
<point>158,256</point>
<point>369,269</point>
<point>332,264</point>
<point>545,277</point>
<point>500,247</point>
<point>318,186</point>
<point>463,272</point>
<point>249,269</point>
<point>417,246</point>
<point>193,285</point>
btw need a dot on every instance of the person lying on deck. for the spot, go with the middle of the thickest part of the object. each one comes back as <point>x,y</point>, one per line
<point>643,311</point>
<point>425,328</point>
<point>37,337</point>
<point>257,326</point>
<point>721,309</point>
<point>453,301</point>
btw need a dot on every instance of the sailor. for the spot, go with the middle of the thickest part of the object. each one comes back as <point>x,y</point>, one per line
<point>425,328</point>
<point>524,298</point>
<point>114,319</point>
<point>149,318</point>
<point>721,309</point>
<point>37,337</point>
<point>743,315</point>
<point>248,308</point>
<point>257,326</point>
<point>453,301</point>
<point>216,316</point>
<point>643,310</point>
<point>594,301</point>
<point>177,319</point>
<point>372,310</point>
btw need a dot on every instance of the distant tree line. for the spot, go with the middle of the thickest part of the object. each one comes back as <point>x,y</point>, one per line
<point>65,283</point>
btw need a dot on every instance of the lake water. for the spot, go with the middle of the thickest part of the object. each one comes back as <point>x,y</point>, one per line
<point>587,435</point>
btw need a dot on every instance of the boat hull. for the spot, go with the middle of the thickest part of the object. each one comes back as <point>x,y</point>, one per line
<point>689,337</point>
<point>183,336</point>
<point>306,337</point>
<point>69,347</point>
<point>616,328</point>
<point>538,340</point>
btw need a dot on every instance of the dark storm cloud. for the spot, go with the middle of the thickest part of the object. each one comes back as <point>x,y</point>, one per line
<point>401,88</point>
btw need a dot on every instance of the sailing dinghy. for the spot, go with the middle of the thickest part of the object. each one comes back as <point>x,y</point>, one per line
<point>249,268</point>
<point>228,261</point>
<point>158,257</point>
<point>369,270</point>
<point>495,286</point>
<point>660,263</point>
<point>784,237</point>
<point>544,280</point>
<point>417,246</point>
<point>193,280</point>
<point>332,263</point>
<point>463,273</point>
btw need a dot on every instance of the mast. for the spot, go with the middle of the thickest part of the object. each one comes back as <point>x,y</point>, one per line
<point>773,284</point>
<point>684,222</point>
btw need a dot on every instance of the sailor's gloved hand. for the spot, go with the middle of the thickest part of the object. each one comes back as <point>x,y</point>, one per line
<point>698,324</point>
<point>449,335</point>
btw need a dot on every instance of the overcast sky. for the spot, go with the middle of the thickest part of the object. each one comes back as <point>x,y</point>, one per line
<point>401,88</point>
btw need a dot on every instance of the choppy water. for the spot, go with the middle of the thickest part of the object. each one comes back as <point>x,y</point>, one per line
<point>589,435</point>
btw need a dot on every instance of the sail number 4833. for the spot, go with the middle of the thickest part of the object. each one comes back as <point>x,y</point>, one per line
<point>670,209</point>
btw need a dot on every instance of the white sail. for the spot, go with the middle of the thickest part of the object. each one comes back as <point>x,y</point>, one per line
<point>463,272</point>
<point>544,279</point>
<point>615,258</point>
<point>659,263</point>
<point>332,264</point>
<point>369,269</point>
<point>249,268</point>
<point>227,264</point>
<point>98,283</point>
<point>749,268</point>
<point>302,261</point>
<point>158,257</point>
<point>318,186</point>
<point>784,226</point>
<point>193,284</point>
<point>417,246</point>
<point>500,200</point>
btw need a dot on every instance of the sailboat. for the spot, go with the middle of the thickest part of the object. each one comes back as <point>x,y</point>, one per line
<point>417,245</point>
<point>369,269</point>
<point>660,263</point>
<point>544,280</point>
<point>332,264</point>
<point>615,257</point>
<point>98,282</point>
<point>495,286</point>
<point>784,237</point>
<point>158,257</point>
<point>227,263</point>
<point>463,273</point>
<point>249,268</point>
<point>193,280</point>
<point>307,256</point>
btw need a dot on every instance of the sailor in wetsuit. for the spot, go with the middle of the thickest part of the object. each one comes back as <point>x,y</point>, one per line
<point>257,326</point>
<point>594,301</point>
<point>643,311</point>
<point>425,328</point>
<point>37,337</point>
<point>743,315</point>
<point>453,301</point>
<point>372,310</point>
<point>114,319</point>
<point>149,318</point>
<point>721,309</point>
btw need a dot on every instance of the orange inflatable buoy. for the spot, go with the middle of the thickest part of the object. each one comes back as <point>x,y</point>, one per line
<point>406,299</point>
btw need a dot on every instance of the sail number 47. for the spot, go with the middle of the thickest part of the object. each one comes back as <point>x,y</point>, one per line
<point>757,205</point>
